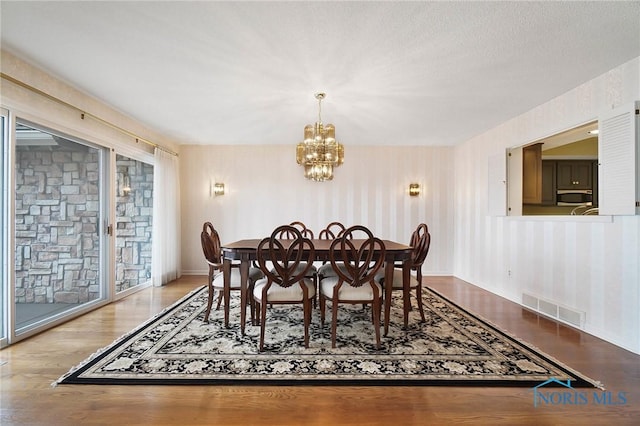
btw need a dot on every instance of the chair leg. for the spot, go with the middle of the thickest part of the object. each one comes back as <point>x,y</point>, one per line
<point>256,308</point>
<point>406,302</point>
<point>254,313</point>
<point>219,300</point>
<point>209,302</point>
<point>307,320</point>
<point>323,304</point>
<point>263,320</point>
<point>315,297</point>
<point>334,323</point>
<point>227,302</point>
<point>249,298</point>
<point>419,297</point>
<point>376,320</point>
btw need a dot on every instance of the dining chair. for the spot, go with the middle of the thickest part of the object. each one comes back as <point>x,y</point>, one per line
<point>356,266</point>
<point>211,247</point>
<point>331,232</point>
<point>286,265</point>
<point>307,233</point>
<point>420,242</point>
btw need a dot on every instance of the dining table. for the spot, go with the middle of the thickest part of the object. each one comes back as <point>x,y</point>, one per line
<point>245,251</point>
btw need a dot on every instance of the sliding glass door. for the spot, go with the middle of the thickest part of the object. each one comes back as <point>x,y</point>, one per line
<point>76,224</point>
<point>60,237</point>
<point>4,279</point>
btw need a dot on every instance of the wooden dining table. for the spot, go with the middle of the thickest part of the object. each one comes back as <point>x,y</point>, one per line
<point>245,251</point>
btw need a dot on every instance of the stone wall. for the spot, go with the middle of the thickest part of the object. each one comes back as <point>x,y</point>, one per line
<point>57,213</point>
<point>57,217</point>
<point>134,219</point>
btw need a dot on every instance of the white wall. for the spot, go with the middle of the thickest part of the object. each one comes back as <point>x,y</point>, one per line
<point>590,266</point>
<point>266,188</point>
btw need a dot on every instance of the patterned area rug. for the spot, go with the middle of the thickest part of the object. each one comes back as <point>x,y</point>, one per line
<point>452,347</point>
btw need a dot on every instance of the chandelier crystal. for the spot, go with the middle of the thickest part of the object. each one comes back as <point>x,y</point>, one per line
<point>319,153</point>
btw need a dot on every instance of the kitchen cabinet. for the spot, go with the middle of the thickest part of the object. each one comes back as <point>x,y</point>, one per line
<point>532,174</point>
<point>549,182</point>
<point>574,174</point>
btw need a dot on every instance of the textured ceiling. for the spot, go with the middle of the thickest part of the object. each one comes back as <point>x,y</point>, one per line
<point>395,73</point>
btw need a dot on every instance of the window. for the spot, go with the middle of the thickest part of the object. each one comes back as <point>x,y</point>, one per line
<point>579,172</point>
<point>559,174</point>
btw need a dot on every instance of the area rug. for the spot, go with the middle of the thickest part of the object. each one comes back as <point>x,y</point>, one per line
<point>452,347</point>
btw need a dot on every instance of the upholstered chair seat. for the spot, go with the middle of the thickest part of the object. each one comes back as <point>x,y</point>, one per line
<point>276,294</point>
<point>348,292</point>
<point>234,284</point>
<point>397,279</point>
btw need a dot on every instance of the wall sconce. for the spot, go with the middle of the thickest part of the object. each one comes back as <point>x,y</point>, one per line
<point>414,189</point>
<point>218,189</point>
<point>124,184</point>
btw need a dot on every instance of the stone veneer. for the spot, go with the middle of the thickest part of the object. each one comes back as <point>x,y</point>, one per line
<point>134,220</point>
<point>57,245</point>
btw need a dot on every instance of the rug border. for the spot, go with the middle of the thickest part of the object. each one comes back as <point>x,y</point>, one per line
<point>542,354</point>
<point>71,377</point>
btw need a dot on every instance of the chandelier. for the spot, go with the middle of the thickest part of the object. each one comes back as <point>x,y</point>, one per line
<point>319,153</point>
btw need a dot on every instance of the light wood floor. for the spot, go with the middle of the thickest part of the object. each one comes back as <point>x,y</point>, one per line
<point>32,365</point>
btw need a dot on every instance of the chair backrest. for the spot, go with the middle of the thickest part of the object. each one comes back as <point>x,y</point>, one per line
<point>211,246</point>
<point>285,234</point>
<point>420,241</point>
<point>356,260</point>
<point>285,263</point>
<point>332,231</point>
<point>421,229</point>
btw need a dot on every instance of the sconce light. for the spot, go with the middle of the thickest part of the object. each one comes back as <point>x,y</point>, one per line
<point>218,189</point>
<point>414,189</point>
<point>124,184</point>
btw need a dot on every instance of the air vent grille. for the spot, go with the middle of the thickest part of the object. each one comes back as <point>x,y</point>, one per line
<point>551,309</point>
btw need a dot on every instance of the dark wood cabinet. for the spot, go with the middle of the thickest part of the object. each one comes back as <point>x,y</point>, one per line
<point>541,179</point>
<point>549,182</point>
<point>532,174</point>
<point>574,174</point>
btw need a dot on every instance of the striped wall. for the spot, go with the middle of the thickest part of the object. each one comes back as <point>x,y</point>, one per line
<point>266,188</point>
<point>589,265</point>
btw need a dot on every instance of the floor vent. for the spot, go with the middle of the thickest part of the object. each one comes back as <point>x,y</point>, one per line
<point>553,310</point>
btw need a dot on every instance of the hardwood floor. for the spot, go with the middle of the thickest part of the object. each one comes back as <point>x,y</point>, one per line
<point>29,367</point>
